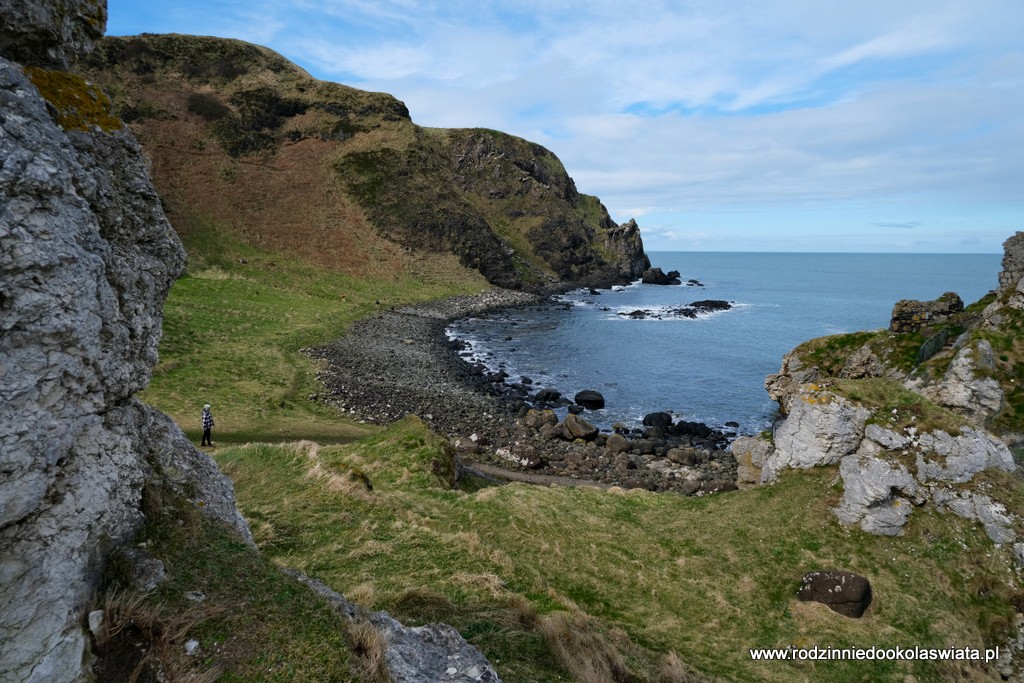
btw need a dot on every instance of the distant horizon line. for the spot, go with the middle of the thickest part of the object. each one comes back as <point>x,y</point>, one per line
<point>865,253</point>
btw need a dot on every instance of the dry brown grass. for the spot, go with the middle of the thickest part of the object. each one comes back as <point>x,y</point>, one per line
<point>369,648</point>
<point>141,639</point>
<point>588,654</point>
<point>289,202</point>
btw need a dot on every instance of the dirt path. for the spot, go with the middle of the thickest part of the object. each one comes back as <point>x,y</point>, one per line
<point>530,478</point>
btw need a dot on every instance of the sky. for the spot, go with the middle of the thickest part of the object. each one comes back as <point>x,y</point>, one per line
<point>720,125</point>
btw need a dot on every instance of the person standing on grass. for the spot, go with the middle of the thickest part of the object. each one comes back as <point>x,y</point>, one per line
<point>207,426</point>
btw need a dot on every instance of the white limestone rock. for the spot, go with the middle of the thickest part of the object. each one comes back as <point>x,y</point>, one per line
<point>956,459</point>
<point>877,495</point>
<point>820,428</point>
<point>86,259</point>
<point>994,518</point>
<point>963,390</point>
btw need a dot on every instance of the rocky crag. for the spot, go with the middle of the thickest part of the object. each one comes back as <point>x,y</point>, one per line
<point>918,414</point>
<point>302,166</point>
<point>86,260</point>
<point>923,417</point>
<point>87,257</point>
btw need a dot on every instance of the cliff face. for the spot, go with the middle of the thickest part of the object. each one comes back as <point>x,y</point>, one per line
<point>506,207</point>
<point>86,260</point>
<point>911,414</point>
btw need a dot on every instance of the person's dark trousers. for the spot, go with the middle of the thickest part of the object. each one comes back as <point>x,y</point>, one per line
<point>207,441</point>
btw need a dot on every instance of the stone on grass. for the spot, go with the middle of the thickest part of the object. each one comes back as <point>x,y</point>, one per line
<point>844,592</point>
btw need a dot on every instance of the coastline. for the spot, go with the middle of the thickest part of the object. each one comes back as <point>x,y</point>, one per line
<point>399,362</point>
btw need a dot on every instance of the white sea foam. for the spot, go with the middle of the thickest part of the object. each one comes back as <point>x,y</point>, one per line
<point>666,312</point>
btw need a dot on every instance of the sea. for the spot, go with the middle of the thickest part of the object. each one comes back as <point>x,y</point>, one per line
<point>711,368</point>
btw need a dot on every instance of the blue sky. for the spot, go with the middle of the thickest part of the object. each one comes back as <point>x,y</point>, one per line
<point>736,125</point>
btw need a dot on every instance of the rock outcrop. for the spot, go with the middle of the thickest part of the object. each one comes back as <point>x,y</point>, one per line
<point>905,435</point>
<point>1011,278</point>
<point>86,260</point>
<point>880,491</point>
<point>910,315</point>
<point>50,34</point>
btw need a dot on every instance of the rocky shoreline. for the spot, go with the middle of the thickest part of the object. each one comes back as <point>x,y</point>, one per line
<point>400,362</point>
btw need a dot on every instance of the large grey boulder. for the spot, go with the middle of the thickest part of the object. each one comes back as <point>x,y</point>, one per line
<point>413,654</point>
<point>820,428</point>
<point>86,260</point>
<point>956,459</point>
<point>433,653</point>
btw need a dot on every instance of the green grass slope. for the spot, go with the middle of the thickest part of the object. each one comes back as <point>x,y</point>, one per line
<point>562,584</point>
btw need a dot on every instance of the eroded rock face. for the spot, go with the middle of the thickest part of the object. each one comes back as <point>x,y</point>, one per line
<point>877,495</point>
<point>910,315</point>
<point>1011,278</point>
<point>50,33</point>
<point>820,428</point>
<point>86,260</point>
<point>956,459</point>
<point>792,373</point>
<point>964,389</point>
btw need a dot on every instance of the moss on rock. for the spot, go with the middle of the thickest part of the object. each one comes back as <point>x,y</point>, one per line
<point>79,104</point>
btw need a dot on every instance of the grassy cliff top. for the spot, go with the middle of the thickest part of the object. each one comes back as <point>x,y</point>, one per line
<point>238,133</point>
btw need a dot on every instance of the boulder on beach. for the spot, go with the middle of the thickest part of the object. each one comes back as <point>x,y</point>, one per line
<point>661,419</point>
<point>579,428</point>
<point>590,399</point>
<point>547,395</point>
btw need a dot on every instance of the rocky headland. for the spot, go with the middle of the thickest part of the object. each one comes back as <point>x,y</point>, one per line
<point>911,416</point>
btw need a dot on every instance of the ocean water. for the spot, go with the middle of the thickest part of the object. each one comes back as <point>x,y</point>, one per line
<point>711,369</point>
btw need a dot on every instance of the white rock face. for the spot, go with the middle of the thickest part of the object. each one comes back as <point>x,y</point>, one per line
<point>962,390</point>
<point>86,260</point>
<point>877,494</point>
<point>820,428</point>
<point>970,505</point>
<point>956,459</point>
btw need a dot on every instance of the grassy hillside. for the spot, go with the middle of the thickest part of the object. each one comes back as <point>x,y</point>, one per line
<point>236,323</point>
<point>343,177</point>
<point>563,584</point>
